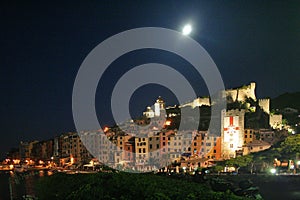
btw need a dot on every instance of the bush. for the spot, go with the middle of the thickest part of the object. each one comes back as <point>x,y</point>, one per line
<point>123,186</point>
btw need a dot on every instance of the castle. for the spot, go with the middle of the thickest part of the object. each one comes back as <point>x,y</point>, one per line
<point>240,94</point>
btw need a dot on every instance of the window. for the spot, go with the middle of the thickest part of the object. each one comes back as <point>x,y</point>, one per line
<point>150,146</point>
<point>143,139</point>
<point>215,151</point>
<point>195,143</point>
<point>157,146</point>
<point>150,139</point>
<point>140,150</point>
<point>245,136</point>
<point>164,138</point>
<point>164,143</point>
<point>144,150</point>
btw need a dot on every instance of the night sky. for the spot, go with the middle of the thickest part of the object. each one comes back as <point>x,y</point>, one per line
<point>43,45</point>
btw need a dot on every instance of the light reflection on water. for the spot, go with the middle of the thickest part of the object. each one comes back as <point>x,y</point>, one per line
<point>19,183</point>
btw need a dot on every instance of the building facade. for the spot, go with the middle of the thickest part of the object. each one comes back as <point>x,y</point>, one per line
<point>232,132</point>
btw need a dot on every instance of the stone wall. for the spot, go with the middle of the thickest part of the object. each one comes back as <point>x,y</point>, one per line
<point>265,105</point>
<point>275,121</point>
<point>242,93</point>
<point>200,101</point>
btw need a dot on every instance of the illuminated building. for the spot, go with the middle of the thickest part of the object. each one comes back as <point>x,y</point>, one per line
<point>159,106</point>
<point>249,136</point>
<point>232,132</point>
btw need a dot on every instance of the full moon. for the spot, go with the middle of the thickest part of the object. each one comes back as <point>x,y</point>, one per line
<point>187,29</point>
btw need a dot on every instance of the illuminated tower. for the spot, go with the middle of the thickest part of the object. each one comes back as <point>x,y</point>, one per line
<point>158,106</point>
<point>232,132</point>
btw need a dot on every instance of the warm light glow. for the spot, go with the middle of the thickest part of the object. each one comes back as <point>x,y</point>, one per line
<point>105,129</point>
<point>187,29</point>
<point>16,161</point>
<point>168,123</point>
<point>72,160</point>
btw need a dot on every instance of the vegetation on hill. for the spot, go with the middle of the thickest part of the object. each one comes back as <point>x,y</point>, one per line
<point>288,149</point>
<point>124,186</point>
<point>286,100</point>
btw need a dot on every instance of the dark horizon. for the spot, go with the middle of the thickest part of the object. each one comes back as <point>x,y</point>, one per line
<point>44,44</point>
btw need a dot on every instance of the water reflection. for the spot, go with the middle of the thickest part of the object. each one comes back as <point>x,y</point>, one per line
<point>15,185</point>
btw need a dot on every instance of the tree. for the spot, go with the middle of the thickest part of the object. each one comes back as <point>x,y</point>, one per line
<point>240,161</point>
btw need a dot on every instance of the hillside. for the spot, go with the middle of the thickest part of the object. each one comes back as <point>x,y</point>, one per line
<point>291,100</point>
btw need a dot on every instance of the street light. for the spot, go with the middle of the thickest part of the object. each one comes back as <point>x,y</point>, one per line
<point>273,171</point>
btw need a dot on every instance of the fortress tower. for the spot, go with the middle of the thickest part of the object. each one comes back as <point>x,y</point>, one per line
<point>158,106</point>
<point>232,132</point>
<point>265,105</point>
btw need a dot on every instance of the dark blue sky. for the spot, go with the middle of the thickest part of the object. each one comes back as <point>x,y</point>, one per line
<point>43,44</point>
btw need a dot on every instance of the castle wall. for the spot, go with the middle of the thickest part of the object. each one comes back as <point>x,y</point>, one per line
<point>231,94</point>
<point>241,94</point>
<point>265,105</point>
<point>275,121</point>
<point>200,102</point>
